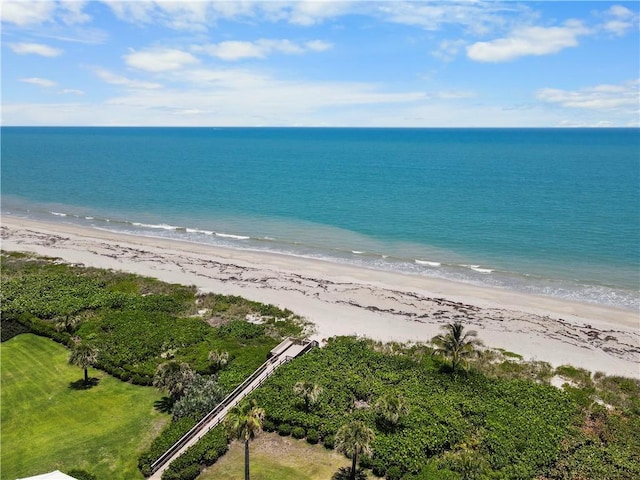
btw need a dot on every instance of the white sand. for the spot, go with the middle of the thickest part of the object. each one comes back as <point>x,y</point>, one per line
<point>347,300</point>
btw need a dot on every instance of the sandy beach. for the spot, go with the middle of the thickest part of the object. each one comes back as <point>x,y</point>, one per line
<point>347,300</point>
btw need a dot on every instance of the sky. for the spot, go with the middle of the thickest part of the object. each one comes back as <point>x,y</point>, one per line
<point>321,63</point>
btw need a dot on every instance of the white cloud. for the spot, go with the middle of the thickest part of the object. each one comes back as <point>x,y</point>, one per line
<point>72,91</point>
<point>448,49</point>
<point>620,11</point>
<point>41,82</point>
<point>202,15</point>
<point>115,79</point>
<point>72,12</point>
<point>24,13</point>
<point>237,50</point>
<point>318,45</point>
<point>601,97</point>
<point>159,59</point>
<point>454,94</point>
<point>307,13</point>
<point>528,41</point>
<point>35,48</point>
<point>36,12</point>
<point>619,20</point>
<point>476,17</point>
<point>242,97</point>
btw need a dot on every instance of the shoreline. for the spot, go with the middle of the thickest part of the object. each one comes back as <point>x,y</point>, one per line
<point>342,299</point>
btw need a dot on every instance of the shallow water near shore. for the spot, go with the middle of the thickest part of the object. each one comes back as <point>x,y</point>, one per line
<point>552,212</point>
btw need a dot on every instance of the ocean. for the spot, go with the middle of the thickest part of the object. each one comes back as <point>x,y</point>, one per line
<point>546,211</point>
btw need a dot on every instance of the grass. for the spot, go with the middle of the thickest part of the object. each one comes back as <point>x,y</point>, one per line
<point>47,424</point>
<point>274,457</point>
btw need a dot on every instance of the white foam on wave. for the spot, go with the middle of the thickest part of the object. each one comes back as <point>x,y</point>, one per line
<point>197,230</point>
<point>161,226</point>
<point>478,268</point>
<point>428,263</point>
<point>357,252</point>
<point>58,214</point>
<point>235,237</point>
<point>89,218</point>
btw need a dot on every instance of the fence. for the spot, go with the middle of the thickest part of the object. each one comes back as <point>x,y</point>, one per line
<point>229,401</point>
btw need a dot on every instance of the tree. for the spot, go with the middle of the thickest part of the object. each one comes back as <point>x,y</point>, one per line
<point>174,377</point>
<point>83,355</point>
<point>243,423</point>
<point>202,395</point>
<point>309,392</point>
<point>456,344</point>
<point>218,359</point>
<point>67,324</point>
<point>391,407</point>
<point>354,439</point>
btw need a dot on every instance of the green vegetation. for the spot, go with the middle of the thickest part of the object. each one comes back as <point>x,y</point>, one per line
<point>83,356</point>
<point>308,392</point>
<point>49,423</point>
<point>137,323</point>
<point>277,458</point>
<point>135,327</point>
<point>354,439</point>
<point>498,419</point>
<point>243,423</point>
<point>456,344</point>
<point>505,427</point>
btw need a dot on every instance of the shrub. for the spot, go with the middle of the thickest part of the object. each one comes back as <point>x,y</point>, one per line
<point>298,432</point>
<point>284,429</point>
<point>138,379</point>
<point>210,447</point>
<point>268,426</point>
<point>394,473</point>
<point>81,474</point>
<point>162,442</point>
<point>365,461</point>
<point>329,442</point>
<point>187,473</point>
<point>345,474</point>
<point>378,468</point>
<point>312,436</point>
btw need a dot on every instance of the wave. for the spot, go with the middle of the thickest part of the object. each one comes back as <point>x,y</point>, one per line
<point>428,263</point>
<point>235,237</point>
<point>197,230</point>
<point>480,274</point>
<point>161,226</point>
<point>478,268</point>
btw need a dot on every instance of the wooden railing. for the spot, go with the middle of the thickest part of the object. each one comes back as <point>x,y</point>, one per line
<point>230,400</point>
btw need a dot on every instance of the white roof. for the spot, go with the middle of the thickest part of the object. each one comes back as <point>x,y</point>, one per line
<point>55,475</point>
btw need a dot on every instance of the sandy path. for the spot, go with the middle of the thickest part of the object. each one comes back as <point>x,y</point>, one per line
<point>345,300</point>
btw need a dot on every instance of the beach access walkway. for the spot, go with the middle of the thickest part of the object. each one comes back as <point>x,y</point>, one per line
<point>287,350</point>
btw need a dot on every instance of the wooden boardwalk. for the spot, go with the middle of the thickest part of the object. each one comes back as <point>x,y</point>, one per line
<point>284,352</point>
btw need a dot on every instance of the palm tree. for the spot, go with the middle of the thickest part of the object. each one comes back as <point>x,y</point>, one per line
<point>354,439</point>
<point>218,359</point>
<point>174,377</point>
<point>244,422</point>
<point>67,324</point>
<point>391,407</point>
<point>456,344</point>
<point>83,355</point>
<point>309,392</point>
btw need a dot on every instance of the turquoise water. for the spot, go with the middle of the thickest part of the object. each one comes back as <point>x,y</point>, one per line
<point>548,211</point>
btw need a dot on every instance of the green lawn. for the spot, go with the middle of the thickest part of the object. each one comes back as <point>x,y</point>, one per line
<point>277,458</point>
<point>47,425</point>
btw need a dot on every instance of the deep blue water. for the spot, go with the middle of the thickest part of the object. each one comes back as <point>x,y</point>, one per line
<point>550,211</point>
